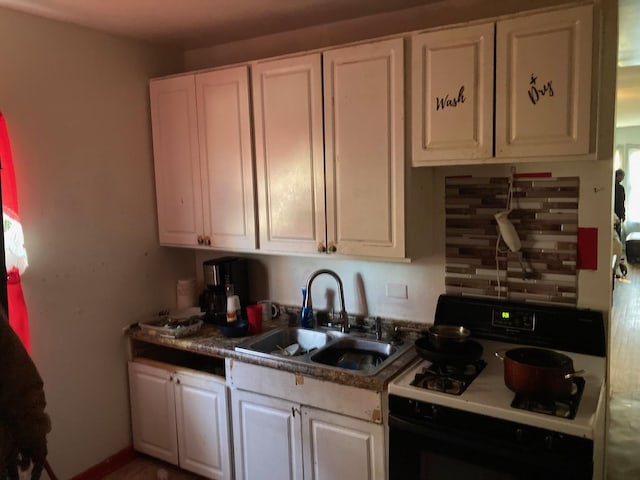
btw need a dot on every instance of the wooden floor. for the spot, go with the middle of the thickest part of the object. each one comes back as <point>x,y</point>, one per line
<point>147,468</point>
<point>625,334</point>
<point>623,444</point>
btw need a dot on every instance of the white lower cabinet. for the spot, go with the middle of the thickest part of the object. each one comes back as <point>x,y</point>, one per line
<point>339,447</point>
<point>322,431</point>
<point>181,417</point>
<point>266,437</point>
<point>279,440</point>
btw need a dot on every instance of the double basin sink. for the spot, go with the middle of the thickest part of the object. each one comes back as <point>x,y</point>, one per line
<point>343,351</point>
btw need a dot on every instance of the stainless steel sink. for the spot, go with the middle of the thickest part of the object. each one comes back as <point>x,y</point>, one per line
<point>276,341</point>
<point>358,354</point>
<point>331,349</point>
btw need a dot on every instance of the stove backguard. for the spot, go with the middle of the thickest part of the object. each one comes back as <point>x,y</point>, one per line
<point>546,326</point>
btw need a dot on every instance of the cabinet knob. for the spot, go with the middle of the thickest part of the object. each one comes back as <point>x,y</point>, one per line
<point>321,247</point>
<point>332,248</point>
<point>207,241</point>
<point>200,239</point>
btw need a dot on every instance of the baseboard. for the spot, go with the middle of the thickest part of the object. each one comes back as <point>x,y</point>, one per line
<point>108,465</point>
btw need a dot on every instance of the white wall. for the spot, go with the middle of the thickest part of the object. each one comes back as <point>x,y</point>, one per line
<point>627,135</point>
<point>76,104</point>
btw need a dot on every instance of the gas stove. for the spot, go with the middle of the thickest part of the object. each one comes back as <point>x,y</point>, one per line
<point>488,395</point>
<point>499,326</point>
<point>435,409</point>
<point>447,378</point>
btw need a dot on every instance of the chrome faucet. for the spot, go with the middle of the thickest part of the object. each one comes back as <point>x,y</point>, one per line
<point>344,318</point>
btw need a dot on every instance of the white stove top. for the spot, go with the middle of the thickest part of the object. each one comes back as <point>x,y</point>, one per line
<point>488,394</point>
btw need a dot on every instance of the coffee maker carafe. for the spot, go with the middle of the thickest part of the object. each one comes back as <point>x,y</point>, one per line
<point>223,276</point>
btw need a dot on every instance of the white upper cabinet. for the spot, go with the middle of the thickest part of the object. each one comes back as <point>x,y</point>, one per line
<point>364,149</point>
<point>543,84</point>
<point>353,162</point>
<point>452,94</point>
<point>542,87</point>
<point>176,160</point>
<point>287,105</point>
<point>224,133</point>
<point>203,159</point>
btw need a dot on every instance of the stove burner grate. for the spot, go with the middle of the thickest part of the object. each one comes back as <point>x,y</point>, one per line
<point>452,379</point>
<point>563,407</point>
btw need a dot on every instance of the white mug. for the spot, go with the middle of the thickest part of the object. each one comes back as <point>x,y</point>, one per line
<point>269,310</point>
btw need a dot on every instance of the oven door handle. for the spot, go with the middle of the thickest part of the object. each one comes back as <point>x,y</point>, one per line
<point>442,435</point>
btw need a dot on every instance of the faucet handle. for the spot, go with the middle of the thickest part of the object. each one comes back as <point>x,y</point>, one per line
<point>344,322</point>
<point>378,328</point>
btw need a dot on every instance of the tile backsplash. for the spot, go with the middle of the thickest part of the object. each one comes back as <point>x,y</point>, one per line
<point>545,216</point>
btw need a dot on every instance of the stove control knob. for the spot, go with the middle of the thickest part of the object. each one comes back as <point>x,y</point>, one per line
<point>521,435</point>
<point>549,441</point>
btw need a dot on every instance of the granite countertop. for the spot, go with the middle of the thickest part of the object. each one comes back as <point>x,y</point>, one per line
<point>209,341</point>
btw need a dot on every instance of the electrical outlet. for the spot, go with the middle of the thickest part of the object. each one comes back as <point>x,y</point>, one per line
<point>397,290</point>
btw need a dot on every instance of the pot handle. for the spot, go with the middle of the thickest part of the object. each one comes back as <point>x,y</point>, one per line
<point>575,374</point>
<point>500,353</point>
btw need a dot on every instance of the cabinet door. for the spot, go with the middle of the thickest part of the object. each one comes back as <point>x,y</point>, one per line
<point>224,132</point>
<point>153,420</point>
<point>364,147</point>
<point>287,104</point>
<point>266,437</point>
<point>176,160</point>
<point>452,95</point>
<point>203,425</point>
<point>543,84</point>
<point>336,446</point>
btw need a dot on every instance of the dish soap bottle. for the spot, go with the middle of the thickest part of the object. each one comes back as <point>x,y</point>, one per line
<point>306,314</point>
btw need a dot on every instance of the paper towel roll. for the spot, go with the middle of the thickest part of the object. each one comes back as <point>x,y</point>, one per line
<point>185,293</point>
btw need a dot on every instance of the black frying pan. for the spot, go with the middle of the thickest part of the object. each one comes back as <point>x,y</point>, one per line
<point>465,353</point>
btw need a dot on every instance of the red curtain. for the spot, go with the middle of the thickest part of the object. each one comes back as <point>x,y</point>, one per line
<point>14,241</point>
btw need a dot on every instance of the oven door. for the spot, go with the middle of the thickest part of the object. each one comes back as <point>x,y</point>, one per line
<point>434,443</point>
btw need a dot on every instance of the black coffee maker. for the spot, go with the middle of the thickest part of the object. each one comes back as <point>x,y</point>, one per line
<point>222,277</point>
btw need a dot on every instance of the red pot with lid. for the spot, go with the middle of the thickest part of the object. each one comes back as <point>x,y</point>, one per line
<point>537,372</point>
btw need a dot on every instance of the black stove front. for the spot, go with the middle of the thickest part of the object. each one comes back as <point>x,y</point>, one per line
<point>434,442</point>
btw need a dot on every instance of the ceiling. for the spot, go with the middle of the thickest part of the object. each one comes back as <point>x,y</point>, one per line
<point>189,24</point>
